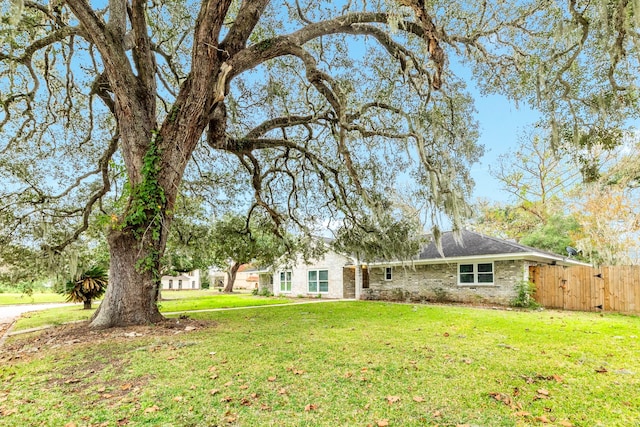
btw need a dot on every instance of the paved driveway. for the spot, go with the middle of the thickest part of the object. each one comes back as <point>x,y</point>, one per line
<point>8,313</point>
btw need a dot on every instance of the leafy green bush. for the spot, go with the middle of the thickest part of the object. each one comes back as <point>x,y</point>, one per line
<point>90,285</point>
<point>263,292</point>
<point>524,295</point>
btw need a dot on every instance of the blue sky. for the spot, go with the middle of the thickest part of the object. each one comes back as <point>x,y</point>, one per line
<point>500,123</point>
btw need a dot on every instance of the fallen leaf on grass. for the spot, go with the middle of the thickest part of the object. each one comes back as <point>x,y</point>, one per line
<point>265,407</point>
<point>298,372</point>
<point>522,414</point>
<point>178,399</point>
<point>348,375</point>
<point>282,391</point>
<point>271,379</point>
<point>310,407</point>
<point>436,414</point>
<point>392,399</point>
<point>541,394</point>
<point>70,424</point>
<point>543,419</point>
<point>125,387</point>
<point>7,412</point>
<point>151,409</point>
<point>566,423</point>
<point>101,389</point>
<point>213,391</point>
<point>226,399</point>
<point>72,381</point>
<point>601,370</point>
<point>367,406</point>
<point>244,387</point>
<point>418,399</point>
<point>382,423</point>
<point>501,397</point>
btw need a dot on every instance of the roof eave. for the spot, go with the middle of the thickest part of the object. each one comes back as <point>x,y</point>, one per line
<point>528,256</point>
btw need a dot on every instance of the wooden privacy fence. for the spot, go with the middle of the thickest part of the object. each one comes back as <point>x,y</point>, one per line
<point>612,288</point>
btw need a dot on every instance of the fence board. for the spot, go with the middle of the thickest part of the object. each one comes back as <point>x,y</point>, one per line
<point>609,288</point>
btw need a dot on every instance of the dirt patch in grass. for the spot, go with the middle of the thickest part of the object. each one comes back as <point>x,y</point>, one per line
<point>79,333</point>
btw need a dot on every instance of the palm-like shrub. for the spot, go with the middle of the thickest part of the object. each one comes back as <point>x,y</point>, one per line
<point>88,286</point>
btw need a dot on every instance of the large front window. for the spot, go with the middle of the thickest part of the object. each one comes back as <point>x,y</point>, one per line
<point>475,274</point>
<point>285,281</point>
<point>318,281</point>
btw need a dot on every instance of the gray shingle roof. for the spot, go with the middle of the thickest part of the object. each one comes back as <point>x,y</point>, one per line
<point>475,244</point>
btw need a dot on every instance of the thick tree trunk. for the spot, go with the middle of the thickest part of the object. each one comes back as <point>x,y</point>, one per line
<point>87,304</point>
<point>231,275</point>
<point>131,295</point>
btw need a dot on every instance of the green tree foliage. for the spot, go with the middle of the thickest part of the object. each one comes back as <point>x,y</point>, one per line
<point>236,240</point>
<point>379,237</point>
<point>558,232</point>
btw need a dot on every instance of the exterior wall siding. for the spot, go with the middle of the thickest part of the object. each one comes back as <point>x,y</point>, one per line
<point>331,261</point>
<point>439,283</point>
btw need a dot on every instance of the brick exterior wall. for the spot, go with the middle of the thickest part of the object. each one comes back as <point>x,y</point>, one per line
<point>439,283</point>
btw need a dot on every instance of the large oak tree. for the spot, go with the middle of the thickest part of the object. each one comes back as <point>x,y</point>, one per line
<point>314,105</point>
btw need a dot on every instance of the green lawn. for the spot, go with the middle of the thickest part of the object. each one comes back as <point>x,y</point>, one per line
<point>340,364</point>
<point>35,298</point>
<point>180,301</point>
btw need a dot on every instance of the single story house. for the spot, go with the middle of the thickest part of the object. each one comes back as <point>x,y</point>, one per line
<point>471,267</point>
<point>190,280</point>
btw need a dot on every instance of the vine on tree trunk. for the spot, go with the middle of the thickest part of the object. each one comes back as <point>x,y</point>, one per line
<point>146,210</point>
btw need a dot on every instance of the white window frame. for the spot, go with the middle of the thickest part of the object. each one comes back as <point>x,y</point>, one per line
<point>388,274</point>
<point>476,273</point>
<point>317,281</point>
<point>285,273</point>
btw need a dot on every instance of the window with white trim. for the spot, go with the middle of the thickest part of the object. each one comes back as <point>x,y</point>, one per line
<point>285,281</point>
<point>318,281</point>
<point>475,274</point>
<point>388,273</point>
